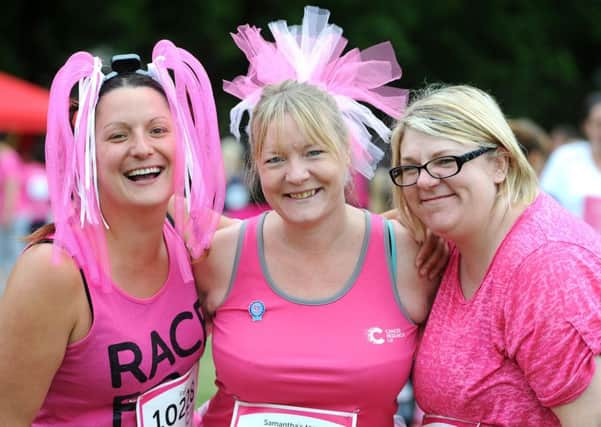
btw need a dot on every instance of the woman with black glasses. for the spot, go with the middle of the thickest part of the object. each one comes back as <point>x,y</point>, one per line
<point>513,337</point>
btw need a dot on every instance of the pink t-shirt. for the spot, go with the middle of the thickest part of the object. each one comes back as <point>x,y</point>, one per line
<point>526,340</point>
<point>351,352</point>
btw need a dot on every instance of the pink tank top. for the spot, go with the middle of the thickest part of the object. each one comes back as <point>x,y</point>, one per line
<point>351,352</point>
<point>133,345</point>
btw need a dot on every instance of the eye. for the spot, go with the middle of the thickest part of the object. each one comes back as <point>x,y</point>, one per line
<point>444,162</point>
<point>407,170</point>
<point>315,152</point>
<point>117,136</point>
<point>159,130</point>
<point>274,160</point>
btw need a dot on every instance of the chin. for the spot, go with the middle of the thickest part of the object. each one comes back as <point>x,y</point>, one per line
<point>441,228</point>
<point>301,218</point>
<point>150,202</point>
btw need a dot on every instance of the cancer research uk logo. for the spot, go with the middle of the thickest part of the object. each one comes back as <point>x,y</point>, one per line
<point>378,335</point>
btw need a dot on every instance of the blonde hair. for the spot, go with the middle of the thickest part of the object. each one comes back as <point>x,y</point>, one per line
<point>313,110</point>
<point>469,116</point>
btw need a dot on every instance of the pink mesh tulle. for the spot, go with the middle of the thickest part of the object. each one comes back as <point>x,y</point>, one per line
<point>199,180</point>
<point>312,53</point>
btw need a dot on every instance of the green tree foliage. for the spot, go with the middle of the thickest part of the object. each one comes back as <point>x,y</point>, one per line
<point>538,57</point>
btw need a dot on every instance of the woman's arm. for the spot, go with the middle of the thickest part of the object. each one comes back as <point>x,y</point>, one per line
<point>585,411</point>
<point>38,312</point>
<point>213,271</point>
<point>415,291</point>
<point>553,318</point>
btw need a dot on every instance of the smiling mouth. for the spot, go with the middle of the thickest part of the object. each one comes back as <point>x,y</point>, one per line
<point>433,199</point>
<point>144,173</point>
<point>302,194</point>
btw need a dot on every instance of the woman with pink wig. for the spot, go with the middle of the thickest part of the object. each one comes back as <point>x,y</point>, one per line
<point>100,323</point>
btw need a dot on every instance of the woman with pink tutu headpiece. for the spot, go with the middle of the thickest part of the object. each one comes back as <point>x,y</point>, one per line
<point>315,319</point>
<point>100,321</point>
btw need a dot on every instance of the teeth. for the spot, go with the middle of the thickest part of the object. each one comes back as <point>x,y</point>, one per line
<point>302,195</point>
<point>144,171</point>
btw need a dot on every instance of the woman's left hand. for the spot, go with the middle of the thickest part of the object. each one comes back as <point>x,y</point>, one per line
<point>432,256</point>
<point>433,253</point>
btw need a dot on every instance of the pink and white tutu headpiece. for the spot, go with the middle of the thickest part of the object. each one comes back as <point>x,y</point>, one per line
<point>199,180</point>
<point>311,53</point>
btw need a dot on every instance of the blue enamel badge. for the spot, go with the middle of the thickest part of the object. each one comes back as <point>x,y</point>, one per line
<point>256,309</point>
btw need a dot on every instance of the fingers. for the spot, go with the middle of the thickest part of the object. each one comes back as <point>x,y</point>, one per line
<point>202,256</point>
<point>425,250</point>
<point>441,260</point>
<point>432,257</point>
<point>390,214</point>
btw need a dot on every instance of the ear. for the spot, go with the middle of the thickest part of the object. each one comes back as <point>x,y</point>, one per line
<point>500,166</point>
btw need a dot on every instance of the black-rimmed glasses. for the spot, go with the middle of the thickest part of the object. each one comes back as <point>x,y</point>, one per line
<point>439,168</point>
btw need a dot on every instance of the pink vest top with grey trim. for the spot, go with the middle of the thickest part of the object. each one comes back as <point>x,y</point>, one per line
<point>351,352</point>
<point>133,345</point>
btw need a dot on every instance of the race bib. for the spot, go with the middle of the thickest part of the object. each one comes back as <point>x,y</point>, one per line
<point>265,415</point>
<point>170,404</point>
<point>592,212</point>
<point>440,421</point>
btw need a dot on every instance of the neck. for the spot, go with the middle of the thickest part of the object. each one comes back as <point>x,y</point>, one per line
<point>135,241</point>
<point>316,237</point>
<point>480,245</point>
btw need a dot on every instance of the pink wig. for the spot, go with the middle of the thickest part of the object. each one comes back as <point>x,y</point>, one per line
<point>199,180</point>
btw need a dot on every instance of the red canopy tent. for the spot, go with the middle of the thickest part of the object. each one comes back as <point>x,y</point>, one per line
<point>23,106</point>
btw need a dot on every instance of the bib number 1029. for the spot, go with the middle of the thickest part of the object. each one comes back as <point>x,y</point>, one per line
<point>174,413</point>
<point>170,404</point>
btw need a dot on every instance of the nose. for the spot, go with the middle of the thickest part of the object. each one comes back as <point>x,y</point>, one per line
<point>297,170</point>
<point>141,147</point>
<point>425,180</point>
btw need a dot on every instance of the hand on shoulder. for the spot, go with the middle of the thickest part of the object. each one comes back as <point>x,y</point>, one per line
<point>433,252</point>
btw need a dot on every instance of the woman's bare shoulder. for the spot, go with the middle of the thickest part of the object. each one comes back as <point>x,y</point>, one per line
<point>214,270</point>
<point>45,270</point>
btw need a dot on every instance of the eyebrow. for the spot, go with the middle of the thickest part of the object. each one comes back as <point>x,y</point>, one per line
<point>114,124</point>
<point>126,124</point>
<point>440,153</point>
